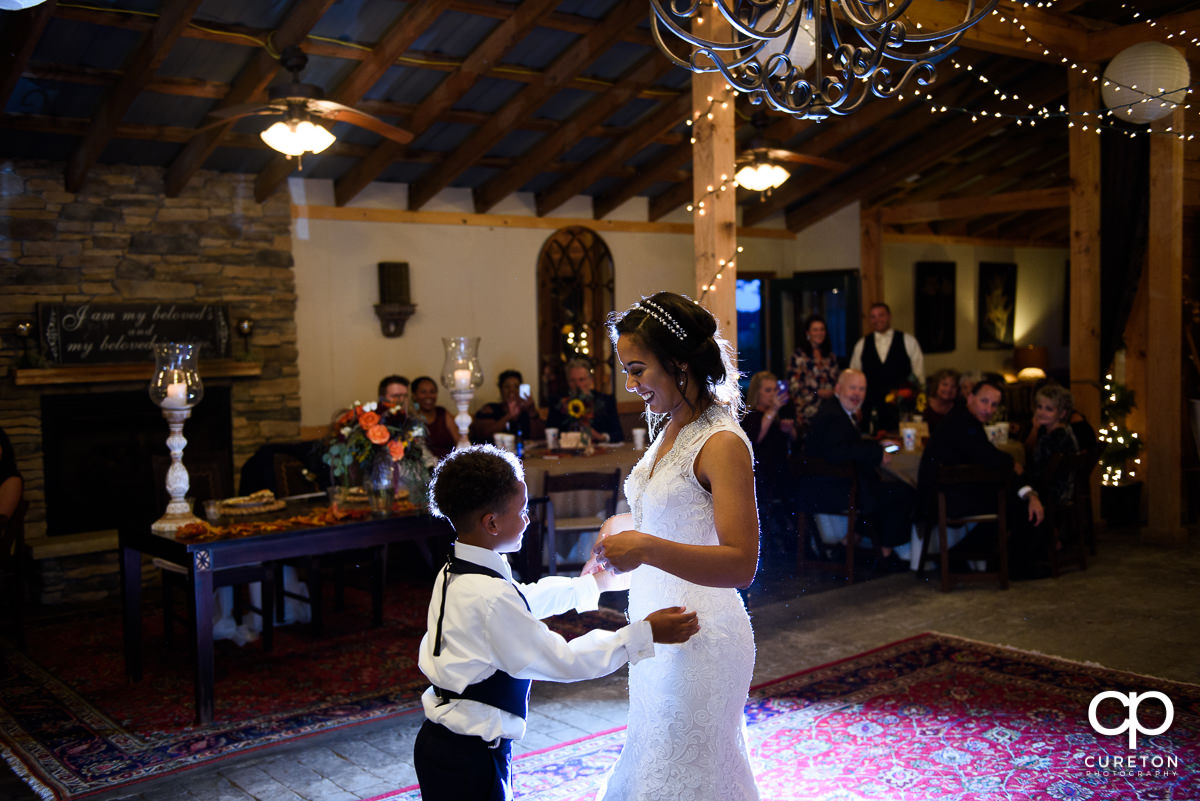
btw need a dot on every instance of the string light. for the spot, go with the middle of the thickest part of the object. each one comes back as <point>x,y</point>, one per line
<point>722,266</point>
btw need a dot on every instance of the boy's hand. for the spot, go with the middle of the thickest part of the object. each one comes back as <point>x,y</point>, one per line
<point>606,580</point>
<point>673,625</point>
<point>620,552</point>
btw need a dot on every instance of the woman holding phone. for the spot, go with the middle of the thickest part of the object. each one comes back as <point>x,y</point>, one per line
<point>515,413</point>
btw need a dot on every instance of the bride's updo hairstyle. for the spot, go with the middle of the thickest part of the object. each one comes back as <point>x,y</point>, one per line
<point>681,332</point>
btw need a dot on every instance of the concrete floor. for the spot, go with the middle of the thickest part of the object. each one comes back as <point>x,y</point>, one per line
<point>1133,609</point>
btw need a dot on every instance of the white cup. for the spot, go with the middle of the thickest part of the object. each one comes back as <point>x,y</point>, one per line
<point>506,441</point>
<point>908,433</point>
<point>551,438</point>
<point>639,439</point>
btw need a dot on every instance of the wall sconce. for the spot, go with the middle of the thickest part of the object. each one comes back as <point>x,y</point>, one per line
<point>245,327</point>
<point>395,304</point>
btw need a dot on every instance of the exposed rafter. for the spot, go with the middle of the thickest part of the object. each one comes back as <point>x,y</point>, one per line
<point>17,41</point>
<point>498,42</point>
<point>578,55</point>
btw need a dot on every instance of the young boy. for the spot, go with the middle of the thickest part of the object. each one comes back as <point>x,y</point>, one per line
<point>486,640</point>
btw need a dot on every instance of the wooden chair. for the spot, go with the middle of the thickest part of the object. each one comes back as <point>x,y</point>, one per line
<point>1068,540</point>
<point>950,477</point>
<point>528,561</point>
<point>603,486</point>
<point>292,477</point>
<point>804,470</point>
<point>14,562</point>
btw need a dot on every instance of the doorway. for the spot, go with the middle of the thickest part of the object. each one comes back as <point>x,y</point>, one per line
<point>833,294</point>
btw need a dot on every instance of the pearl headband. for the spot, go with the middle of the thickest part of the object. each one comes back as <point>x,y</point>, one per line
<point>659,313</point>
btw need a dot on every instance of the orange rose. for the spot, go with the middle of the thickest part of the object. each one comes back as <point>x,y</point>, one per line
<point>346,418</point>
<point>369,420</point>
<point>396,449</point>
<point>378,434</point>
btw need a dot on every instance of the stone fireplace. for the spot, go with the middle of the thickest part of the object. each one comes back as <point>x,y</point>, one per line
<point>121,240</point>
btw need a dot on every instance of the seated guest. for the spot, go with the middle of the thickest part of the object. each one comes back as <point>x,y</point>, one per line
<point>771,426</point>
<point>605,422</point>
<point>961,439</point>
<point>11,483</point>
<point>814,369</point>
<point>967,382</point>
<point>885,506</point>
<point>393,391</point>
<point>512,415</point>
<point>942,396</point>
<point>441,431</point>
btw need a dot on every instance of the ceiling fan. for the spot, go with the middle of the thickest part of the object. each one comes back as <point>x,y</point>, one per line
<point>301,107</point>
<point>760,164</point>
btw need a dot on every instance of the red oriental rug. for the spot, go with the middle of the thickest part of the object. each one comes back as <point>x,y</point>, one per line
<point>72,725</point>
<point>932,717</point>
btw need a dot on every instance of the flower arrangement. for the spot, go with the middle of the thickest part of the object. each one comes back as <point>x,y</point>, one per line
<point>909,397</point>
<point>578,409</point>
<point>380,443</point>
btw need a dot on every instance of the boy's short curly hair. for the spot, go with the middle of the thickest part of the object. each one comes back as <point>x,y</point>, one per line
<point>473,481</point>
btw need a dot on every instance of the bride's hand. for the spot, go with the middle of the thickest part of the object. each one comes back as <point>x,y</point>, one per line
<point>621,552</point>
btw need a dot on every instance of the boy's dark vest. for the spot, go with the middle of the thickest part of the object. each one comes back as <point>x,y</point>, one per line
<point>884,376</point>
<point>499,689</point>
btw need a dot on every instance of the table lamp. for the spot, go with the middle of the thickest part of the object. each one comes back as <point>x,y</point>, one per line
<point>175,387</point>
<point>462,376</point>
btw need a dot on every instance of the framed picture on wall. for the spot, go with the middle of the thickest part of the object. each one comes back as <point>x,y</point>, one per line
<point>933,306</point>
<point>997,304</point>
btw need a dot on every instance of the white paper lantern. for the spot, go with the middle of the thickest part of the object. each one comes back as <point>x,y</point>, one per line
<point>804,49</point>
<point>19,5</point>
<point>1141,71</point>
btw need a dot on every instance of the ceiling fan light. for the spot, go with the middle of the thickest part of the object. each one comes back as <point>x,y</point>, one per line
<point>296,138</point>
<point>761,176</point>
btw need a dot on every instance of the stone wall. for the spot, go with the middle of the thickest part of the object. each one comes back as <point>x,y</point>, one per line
<point>122,240</point>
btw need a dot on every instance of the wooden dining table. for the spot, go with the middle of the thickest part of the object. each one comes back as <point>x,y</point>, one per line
<point>905,465</point>
<point>539,462</point>
<point>204,559</point>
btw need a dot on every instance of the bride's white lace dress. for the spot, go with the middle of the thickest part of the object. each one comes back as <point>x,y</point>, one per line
<point>687,735</point>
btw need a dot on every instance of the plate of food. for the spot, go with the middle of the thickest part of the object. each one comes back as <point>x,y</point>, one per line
<point>253,504</point>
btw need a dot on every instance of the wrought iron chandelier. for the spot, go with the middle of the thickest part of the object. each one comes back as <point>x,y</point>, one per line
<point>872,49</point>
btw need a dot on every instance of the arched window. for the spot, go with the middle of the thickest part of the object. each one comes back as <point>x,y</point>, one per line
<point>575,295</point>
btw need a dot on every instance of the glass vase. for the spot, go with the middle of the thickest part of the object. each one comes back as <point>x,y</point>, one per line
<point>379,483</point>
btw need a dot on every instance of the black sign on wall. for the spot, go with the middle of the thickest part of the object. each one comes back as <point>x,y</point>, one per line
<point>97,333</point>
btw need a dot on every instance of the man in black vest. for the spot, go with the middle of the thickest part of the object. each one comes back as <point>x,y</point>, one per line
<point>888,358</point>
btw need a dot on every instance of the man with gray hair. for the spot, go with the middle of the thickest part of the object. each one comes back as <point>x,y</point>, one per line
<point>605,422</point>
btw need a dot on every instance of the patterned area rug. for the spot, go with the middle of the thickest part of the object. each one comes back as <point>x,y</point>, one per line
<point>931,717</point>
<point>72,725</point>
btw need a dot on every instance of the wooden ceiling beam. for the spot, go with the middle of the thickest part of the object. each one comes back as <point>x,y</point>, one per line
<point>19,37</point>
<point>1061,34</point>
<point>1039,88</point>
<point>403,31</point>
<point>499,41</point>
<point>880,114</point>
<point>250,84</point>
<point>975,206</point>
<point>644,73</point>
<point>1103,45</point>
<point>154,47</point>
<point>664,118</point>
<point>214,90</point>
<point>577,56</point>
<point>662,169</point>
<point>558,21</point>
<point>970,174</point>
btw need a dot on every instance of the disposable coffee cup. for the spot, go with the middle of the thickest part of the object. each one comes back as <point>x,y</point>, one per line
<point>551,438</point>
<point>639,439</point>
<point>908,433</point>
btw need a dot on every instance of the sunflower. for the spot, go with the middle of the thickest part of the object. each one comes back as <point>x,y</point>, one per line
<point>576,408</point>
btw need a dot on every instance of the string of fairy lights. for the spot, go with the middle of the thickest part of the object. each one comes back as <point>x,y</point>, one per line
<point>1097,120</point>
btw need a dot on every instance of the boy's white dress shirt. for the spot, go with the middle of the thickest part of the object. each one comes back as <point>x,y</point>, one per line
<point>487,627</point>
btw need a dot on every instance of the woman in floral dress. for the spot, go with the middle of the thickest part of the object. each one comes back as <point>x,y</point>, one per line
<point>814,369</point>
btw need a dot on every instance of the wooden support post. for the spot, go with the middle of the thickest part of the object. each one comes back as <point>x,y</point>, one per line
<point>1084,95</point>
<point>715,223</point>
<point>871,256</point>
<point>1165,426</point>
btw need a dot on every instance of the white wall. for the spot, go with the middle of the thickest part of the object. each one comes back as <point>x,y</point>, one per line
<point>466,280</point>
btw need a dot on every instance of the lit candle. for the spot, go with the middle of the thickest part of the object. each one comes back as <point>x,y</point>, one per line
<point>176,396</point>
<point>462,379</point>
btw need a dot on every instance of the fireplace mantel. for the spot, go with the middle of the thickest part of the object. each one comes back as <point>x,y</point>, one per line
<point>110,373</point>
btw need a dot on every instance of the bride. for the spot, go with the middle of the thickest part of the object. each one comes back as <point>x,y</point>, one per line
<point>690,540</point>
